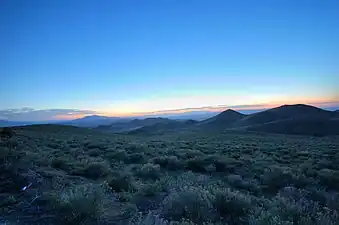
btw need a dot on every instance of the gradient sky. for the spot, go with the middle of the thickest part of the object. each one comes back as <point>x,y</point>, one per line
<point>118,57</point>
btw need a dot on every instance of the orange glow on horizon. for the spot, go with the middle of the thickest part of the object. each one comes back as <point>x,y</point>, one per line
<point>70,117</point>
<point>315,102</point>
<point>318,102</point>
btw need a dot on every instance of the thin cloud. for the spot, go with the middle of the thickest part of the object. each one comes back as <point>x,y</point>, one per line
<point>29,114</point>
<point>241,108</point>
<point>209,108</point>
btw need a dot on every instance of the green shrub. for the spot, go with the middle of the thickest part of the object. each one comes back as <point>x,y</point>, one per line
<point>118,155</point>
<point>152,219</point>
<point>100,146</point>
<point>79,204</point>
<point>329,178</point>
<point>188,154</point>
<point>124,196</point>
<point>291,206</point>
<point>135,158</point>
<point>223,164</point>
<point>168,162</point>
<point>232,206</point>
<point>60,163</point>
<point>196,164</point>
<point>94,152</point>
<point>276,178</point>
<point>149,171</point>
<point>6,133</point>
<point>151,189</point>
<point>235,180</point>
<point>193,203</point>
<point>12,177</point>
<point>53,145</point>
<point>121,182</point>
<point>134,148</point>
<point>94,170</point>
<point>149,219</point>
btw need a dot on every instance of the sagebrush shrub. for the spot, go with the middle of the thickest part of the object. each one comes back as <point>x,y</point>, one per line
<point>329,178</point>
<point>196,164</point>
<point>81,204</point>
<point>149,171</point>
<point>168,162</point>
<point>117,155</point>
<point>135,158</point>
<point>100,146</point>
<point>94,170</point>
<point>154,187</point>
<point>291,206</point>
<point>94,152</point>
<point>121,182</point>
<point>193,203</point>
<point>276,178</point>
<point>60,163</point>
<point>232,206</point>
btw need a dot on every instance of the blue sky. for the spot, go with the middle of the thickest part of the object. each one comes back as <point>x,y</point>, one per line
<point>120,57</point>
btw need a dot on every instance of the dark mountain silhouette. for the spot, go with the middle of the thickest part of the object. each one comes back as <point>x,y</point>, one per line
<point>300,126</point>
<point>8,123</point>
<point>164,127</point>
<point>285,112</point>
<point>224,119</point>
<point>286,119</point>
<point>125,126</point>
<point>92,121</point>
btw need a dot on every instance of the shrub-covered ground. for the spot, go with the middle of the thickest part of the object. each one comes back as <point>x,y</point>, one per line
<point>79,176</point>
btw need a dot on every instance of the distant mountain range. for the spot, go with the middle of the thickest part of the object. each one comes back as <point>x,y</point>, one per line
<point>129,125</point>
<point>286,119</point>
<point>91,121</point>
<point>8,123</point>
<point>96,120</point>
<point>148,125</point>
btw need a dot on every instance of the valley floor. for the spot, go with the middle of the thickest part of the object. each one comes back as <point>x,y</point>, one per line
<point>80,176</point>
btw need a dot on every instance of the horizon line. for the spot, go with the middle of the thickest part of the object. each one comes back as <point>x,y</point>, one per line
<point>217,108</point>
<point>71,114</point>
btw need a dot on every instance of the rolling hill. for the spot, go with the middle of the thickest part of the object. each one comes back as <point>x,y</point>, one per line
<point>300,126</point>
<point>126,126</point>
<point>225,119</point>
<point>285,112</point>
<point>164,127</point>
<point>69,171</point>
<point>92,121</point>
<point>9,123</point>
<point>286,119</point>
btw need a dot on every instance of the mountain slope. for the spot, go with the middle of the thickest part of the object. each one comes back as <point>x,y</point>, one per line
<point>285,112</point>
<point>225,119</point>
<point>125,126</point>
<point>164,127</point>
<point>300,126</point>
<point>286,119</point>
<point>92,121</point>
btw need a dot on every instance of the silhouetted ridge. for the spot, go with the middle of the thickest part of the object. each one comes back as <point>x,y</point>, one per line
<point>285,119</point>
<point>286,112</point>
<point>224,119</point>
<point>135,124</point>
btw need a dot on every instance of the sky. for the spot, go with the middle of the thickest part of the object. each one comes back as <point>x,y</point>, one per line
<point>66,59</point>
